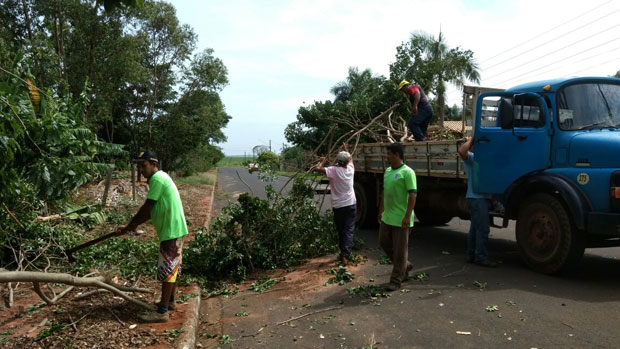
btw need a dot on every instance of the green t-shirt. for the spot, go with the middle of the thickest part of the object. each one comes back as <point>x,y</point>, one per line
<point>167,214</point>
<point>397,184</point>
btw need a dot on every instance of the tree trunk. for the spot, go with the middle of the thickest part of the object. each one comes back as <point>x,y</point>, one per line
<point>441,111</point>
<point>98,282</point>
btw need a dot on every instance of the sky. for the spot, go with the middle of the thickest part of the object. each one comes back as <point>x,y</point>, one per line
<point>282,55</point>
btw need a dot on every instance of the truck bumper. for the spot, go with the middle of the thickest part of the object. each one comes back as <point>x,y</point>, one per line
<point>600,223</point>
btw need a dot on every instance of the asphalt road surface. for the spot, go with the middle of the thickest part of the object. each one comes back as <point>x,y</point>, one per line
<point>579,309</point>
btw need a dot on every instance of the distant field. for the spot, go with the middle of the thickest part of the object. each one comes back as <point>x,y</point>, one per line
<point>231,161</point>
<point>200,178</point>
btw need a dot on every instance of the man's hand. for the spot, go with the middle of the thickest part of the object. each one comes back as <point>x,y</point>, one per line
<point>379,218</point>
<point>406,222</point>
<point>415,110</point>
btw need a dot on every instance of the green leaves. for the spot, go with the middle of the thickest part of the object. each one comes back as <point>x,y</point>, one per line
<point>341,276</point>
<point>261,234</point>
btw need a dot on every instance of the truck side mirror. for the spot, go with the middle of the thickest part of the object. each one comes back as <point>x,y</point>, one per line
<point>506,113</point>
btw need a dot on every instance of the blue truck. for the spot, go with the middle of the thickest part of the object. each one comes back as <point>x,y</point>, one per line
<point>548,152</point>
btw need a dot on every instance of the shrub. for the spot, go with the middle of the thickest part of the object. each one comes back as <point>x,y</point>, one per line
<point>266,234</point>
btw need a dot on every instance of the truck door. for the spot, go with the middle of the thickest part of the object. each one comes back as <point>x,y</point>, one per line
<point>511,138</point>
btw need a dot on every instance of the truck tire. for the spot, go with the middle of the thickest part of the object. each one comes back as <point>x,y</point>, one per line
<point>548,240</point>
<point>429,218</point>
<point>366,203</point>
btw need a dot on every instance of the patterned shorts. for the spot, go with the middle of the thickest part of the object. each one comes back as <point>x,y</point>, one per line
<point>169,261</point>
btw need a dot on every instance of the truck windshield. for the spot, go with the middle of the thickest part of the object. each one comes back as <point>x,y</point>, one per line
<point>589,106</point>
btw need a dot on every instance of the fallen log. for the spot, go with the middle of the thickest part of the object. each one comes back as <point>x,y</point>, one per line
<point>99,282</point>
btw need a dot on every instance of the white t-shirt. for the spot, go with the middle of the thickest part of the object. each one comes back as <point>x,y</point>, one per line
<point>341,183</point>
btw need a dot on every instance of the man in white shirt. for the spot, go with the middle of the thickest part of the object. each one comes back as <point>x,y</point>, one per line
<point>343,200</point>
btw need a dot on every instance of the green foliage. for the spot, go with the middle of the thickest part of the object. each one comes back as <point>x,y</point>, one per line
<point>174,332</point>
<point>430,63</point>
<point>341,276</point>
<point>385,260</point>
<point>53,329</point>
<point>369,291</point>
<point>125,256</point>
<point>268,161</point>
<point>420,276</point>
<point>261,234</point>
<point>263,284</point>
<point>361,96</point>
<point>184,298</point>
<point>294,157</point>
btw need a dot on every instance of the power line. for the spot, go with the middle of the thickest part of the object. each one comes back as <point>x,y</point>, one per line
<point>548,31</point>
<point>564,59</point>
<point>552,52</point>
<point>556,38</point>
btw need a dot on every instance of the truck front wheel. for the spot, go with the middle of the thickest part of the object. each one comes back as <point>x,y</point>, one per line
<point>547,239</point>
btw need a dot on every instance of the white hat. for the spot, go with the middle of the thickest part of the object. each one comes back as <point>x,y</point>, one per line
<point>343,157</point>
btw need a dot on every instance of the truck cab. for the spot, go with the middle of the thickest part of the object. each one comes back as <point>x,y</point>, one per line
<point>549,151</point>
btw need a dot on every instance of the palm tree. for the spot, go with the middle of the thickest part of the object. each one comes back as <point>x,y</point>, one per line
<point>356,83</point>
<point>431,63</point>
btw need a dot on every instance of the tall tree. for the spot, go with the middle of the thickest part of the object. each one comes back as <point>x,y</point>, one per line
<point>429,62</point>
<point>169,46</point>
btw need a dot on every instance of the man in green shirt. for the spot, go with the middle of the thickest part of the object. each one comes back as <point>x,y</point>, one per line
<point>396,214</point>
<point>164,207</point>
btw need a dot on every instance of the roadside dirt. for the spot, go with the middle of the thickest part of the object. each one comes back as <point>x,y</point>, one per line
<point>100,320</point>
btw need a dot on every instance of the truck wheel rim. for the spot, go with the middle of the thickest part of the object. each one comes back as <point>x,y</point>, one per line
<point>543,236</point>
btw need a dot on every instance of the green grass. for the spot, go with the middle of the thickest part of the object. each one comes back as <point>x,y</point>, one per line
<point>233,161</point>
<point>201,178</point>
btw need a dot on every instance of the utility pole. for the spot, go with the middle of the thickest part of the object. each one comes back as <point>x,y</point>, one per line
<point>270,145</point>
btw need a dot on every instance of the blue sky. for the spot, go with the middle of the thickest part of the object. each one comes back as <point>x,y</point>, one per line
<point>282,54</point>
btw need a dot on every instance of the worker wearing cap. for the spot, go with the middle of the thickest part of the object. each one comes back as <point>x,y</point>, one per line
<point>164,207</point>
<point>421,109</point>
<point>343,200</point>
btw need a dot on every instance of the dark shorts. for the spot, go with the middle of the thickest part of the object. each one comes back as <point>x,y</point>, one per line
<point>169,261</point>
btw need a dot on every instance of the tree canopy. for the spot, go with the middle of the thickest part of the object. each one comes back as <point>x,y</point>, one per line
<point>431,63</point>
<point>132,61</point>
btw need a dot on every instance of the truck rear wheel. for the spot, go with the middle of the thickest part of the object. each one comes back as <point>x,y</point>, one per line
<point>430,218</point>
<point>366,203</point>
<point>547,239</point>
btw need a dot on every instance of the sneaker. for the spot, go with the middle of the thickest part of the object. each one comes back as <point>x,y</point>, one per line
<point>487,263</point>
<point>153,316</point>
<point>392,286</point>
<point>171,305</point>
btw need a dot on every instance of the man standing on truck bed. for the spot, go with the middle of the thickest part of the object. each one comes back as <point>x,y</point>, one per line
<point>164,207</point>
<point>343,200</point>
<point>421,109</point>
<point>479,205</point>
<point>396,214</point>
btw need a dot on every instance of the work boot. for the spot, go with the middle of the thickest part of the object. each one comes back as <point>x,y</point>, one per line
<point>392,286</point>
<point>153,316</point>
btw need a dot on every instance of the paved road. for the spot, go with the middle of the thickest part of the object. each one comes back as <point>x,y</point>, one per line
<point>580,309</point>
